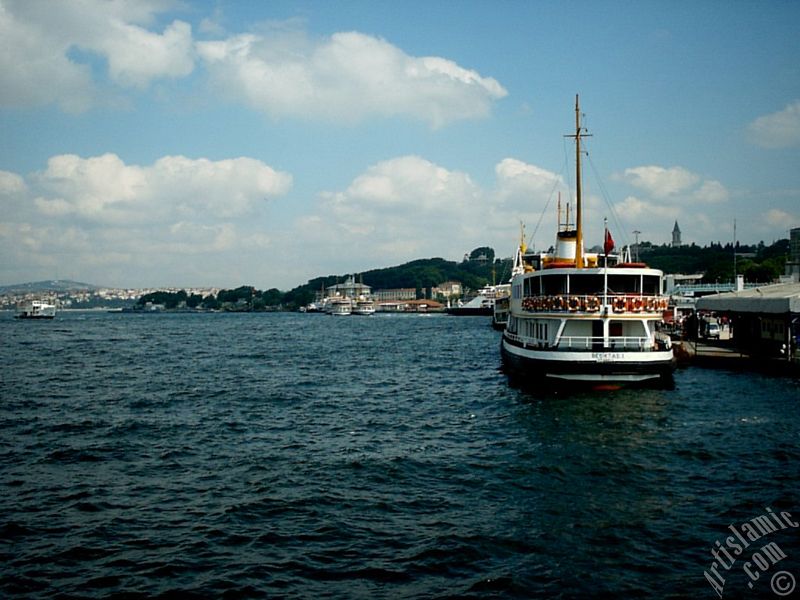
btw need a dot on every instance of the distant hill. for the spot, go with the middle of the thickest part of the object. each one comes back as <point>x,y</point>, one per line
<point>421,275</point>
<point>55,285</point>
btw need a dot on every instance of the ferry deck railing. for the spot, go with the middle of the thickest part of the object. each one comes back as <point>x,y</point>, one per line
<point>587,343</point>
<point>615,342</point>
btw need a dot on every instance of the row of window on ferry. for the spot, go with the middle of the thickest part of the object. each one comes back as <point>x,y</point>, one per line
<point>592,284</point>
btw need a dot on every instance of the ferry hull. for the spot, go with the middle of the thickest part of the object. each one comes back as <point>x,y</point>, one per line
<point>588,368</point>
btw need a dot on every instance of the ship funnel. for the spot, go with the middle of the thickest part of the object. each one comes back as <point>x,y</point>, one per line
<point>566,243</point>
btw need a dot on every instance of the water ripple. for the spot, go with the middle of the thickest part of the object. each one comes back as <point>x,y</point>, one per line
<point>297,456</point>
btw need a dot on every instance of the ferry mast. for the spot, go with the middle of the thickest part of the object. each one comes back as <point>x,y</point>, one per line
<point>578,187</point>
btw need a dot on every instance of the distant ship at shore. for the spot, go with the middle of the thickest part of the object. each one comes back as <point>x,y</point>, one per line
<point>348,298</point>
<point>483,303</point>
<point>36,309</point>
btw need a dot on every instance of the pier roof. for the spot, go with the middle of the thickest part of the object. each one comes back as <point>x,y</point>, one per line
<point>778,298</point>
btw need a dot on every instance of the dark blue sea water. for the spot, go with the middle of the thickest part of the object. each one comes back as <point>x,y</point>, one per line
<point>306,456</point>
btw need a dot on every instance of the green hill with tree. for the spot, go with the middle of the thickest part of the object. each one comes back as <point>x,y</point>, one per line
<point>758,263</point>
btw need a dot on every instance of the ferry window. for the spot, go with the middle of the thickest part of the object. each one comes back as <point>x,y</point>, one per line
<point>554,284</point>
<point>623,284</point>
<point>651,285</point>
<point>528,290</point>
<point>585,284</point>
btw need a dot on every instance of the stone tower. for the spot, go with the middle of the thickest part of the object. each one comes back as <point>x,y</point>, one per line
<point>676,236</point>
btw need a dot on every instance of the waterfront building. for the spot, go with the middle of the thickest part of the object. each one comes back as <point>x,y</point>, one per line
<point>766,319</point>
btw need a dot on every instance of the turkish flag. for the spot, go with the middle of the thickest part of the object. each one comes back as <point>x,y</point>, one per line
<point>608,244</point>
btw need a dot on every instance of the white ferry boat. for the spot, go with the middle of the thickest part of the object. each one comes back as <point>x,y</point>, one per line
<point>348,298</point>
<point>586,318</point>
<point>340,307</point>
<point>36,309</point>
<point>363,306</point>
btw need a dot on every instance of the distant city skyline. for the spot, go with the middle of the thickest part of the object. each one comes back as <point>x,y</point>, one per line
<point>206,144</point>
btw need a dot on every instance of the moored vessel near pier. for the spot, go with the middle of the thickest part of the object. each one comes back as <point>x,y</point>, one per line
<point>36,309</point>
<point>339,307</point>
<point>585,317</point>
<point>483,302</point>
<point>363,306</point>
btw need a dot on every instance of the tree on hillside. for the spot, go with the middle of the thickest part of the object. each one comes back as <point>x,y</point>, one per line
<point>194,301</point>
<point>272,297</point>
<point>483,251</point>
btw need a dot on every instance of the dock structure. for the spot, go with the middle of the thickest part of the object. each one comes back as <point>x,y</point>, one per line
<point>765,321</point>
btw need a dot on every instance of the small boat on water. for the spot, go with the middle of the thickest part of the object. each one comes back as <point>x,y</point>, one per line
<point>36,309</point>
<point>585,318</point>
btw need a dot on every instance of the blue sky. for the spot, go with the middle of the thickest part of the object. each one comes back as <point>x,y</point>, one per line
<point>223,143</point>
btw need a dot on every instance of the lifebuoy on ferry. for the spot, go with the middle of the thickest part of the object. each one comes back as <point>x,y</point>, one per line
<point>573,303</point>
<point>560,304</point>
<point>619,305</point>
<point>650,305</point>
<point>636,305</point>
<point>593,304</point>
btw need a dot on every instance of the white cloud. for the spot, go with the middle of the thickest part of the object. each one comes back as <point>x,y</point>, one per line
<point>520,184</point>
<point>400,198</point>
<point>669,194</point>
<point>222,188</point>
<point>34,67</point>
<point>11,183</point>
<point>179,217</point>
<point>636,210</point>
<point>396,210</point>
<point>106,190</point>
<point>711,191</point>
<point>779,219</point>
<point>95,188</point>
<point>347,77</point>
<point>37,40</point>
<point>660,182</point>
<point>409,182</point>
<point>408,207</point>
<point>48,52</point>
<point>777,130</point>
<point>193,238</point>
<point>137,56</point>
